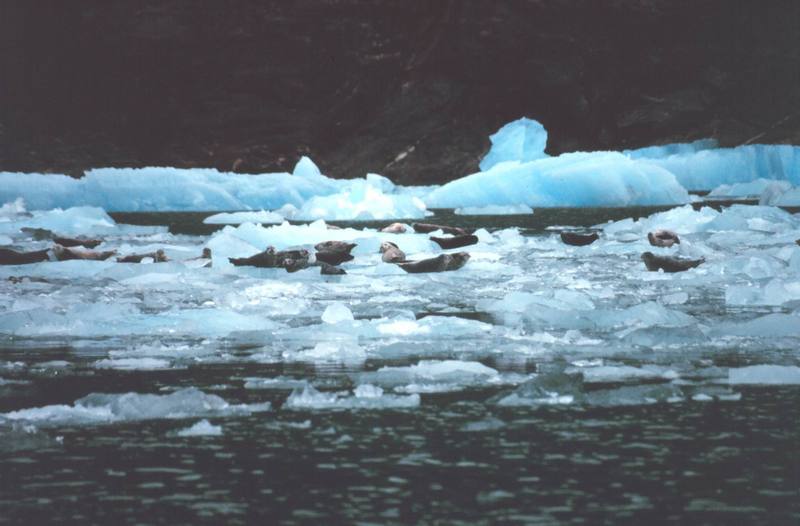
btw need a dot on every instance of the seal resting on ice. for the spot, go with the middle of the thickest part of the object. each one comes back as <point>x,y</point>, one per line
<point>455,241</point>
<point>65,253</point>
<point>669,263</point>
<point>579,240</point>
<point>440,263</point>
<point>391,253</point>
<point>13,257</point>
<point>663,238</point>
<point>158,257</point>
<point>427,228</point>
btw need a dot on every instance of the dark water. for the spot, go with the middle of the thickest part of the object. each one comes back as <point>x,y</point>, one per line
<point>459,458</point>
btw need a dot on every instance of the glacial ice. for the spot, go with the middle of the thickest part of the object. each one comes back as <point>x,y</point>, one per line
<point>573,179</point>
<point>710,168</point>
<point>109,408</point>
<point>521,140</point>
<point>361,202</point>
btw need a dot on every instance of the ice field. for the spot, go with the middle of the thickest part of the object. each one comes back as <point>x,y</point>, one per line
<point>539,383</point>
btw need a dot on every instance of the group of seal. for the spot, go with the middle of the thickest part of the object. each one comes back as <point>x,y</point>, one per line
<point>657,238</point>
<point>82,248</point>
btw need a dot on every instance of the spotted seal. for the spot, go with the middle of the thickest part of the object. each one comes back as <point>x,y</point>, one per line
<point>663,238</point>
<point>669,263</point>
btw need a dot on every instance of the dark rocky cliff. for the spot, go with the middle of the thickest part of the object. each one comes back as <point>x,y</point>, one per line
<point>407,89</point>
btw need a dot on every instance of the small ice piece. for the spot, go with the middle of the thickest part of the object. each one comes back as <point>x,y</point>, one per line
<point>622,373</point>
<point>454,374</point>
<point>494,210</point>
<point>281,382</point>
<point>336,313</point>
<point>133,364</point>
<point>201,428</point>
<point>237,218</point>
<point>107,408</point>
<point>764,375</point>
<point>368,391</point>
<point>521,140</point>
<point>333,351</point>
<point>366,398</point>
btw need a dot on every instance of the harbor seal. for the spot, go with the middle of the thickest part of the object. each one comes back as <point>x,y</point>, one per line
<point>79,241</point>
<point>455,241</point>
<point>440,263</point>
<point>394,228</point>
<point>158,257</point>
<point>270,258</point>
<point>391,253</point>
<point>669,263</point>
<point>579,240</point>
<point>334,252</point>
<point>330,270</point>
<point>427,228</point>
<point>13,257</point>
<point>66,254</point>
<point>663,238</point>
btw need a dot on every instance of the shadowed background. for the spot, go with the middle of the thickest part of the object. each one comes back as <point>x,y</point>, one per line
<point>410,90</point>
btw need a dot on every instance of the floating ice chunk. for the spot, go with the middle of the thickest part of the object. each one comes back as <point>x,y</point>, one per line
<point>362,202</point>
<point>368,391</point>
<point>452,374</point>
<point>764,375</point>
<point>363,398</point>
<point>622,373</point>
<point>384,184</point>
<point>574,179</point>
<point>131,364</point>
<point>200,429</point>
<point>750,189</point>
<point>494,210</point>
<point>107,408</point>
<point>237,218</point>
<point>645,315</point>
<point>335,351</point>
<point>281,382</point>
<point>521,140</point>
<point>664,336</point>
<point>488,424</point>
<point>337,312</point>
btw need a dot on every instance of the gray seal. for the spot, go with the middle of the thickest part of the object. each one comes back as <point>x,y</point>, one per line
<point>441,263</point>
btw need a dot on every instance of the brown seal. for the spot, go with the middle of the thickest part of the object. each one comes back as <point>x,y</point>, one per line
<point>12,257</point>
<point>65,254</point>
<point>579,240</point>
<point>427,228</point>
<point>663,238</point>
<point>440,263</point>
<point>158,257</point>
<point>391,253</point>
<point>669,263</point>
<point>455,241</point>
<point>394,228</point>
